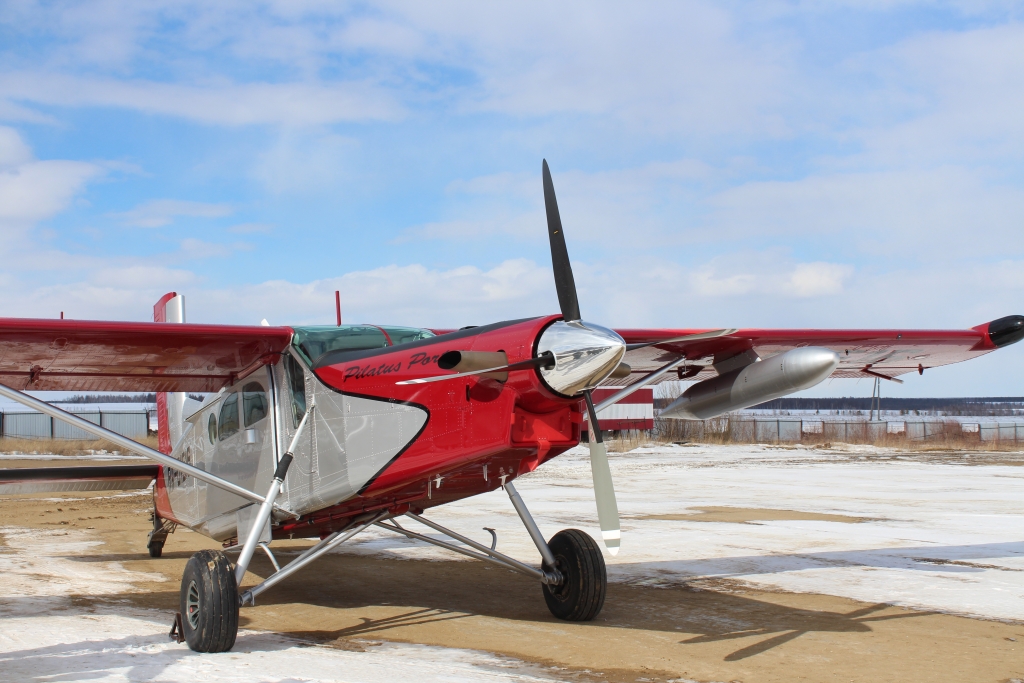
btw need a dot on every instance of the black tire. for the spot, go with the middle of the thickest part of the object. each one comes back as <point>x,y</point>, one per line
<point>581,595</point>
<point>156,548</point>
<point>209,602</point>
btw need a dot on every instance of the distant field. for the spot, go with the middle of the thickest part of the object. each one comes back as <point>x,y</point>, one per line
<point>65,446</point>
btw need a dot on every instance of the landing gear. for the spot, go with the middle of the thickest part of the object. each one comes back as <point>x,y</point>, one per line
<point>157,537</point>
<point>209,602</point>
<point>572,573</point>
<point>580,596</point>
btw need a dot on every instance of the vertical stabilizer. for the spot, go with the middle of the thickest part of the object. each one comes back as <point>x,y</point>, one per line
<point>169,406</point>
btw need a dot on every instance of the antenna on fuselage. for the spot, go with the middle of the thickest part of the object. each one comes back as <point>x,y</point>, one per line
<point>337,305</point>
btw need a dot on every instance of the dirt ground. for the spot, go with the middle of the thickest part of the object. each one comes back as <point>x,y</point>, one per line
<point>698,630</point>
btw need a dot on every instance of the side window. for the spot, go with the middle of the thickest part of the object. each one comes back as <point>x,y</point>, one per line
<point>254,403</point>
<point>213,428</point>
<point>228,417</point>
<point>297,386</point>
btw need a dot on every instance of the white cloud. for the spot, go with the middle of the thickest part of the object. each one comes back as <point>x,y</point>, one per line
<point>305,162</point>
<point>35,190</point>
<point>945,212</point>
<point>250,228</point>
<point>412,295</point>
<point>218,103</point>
<point>160,212</point>
<point>679,67</point>
<point>946,94</point>
<point>141,277</point>
<point>818,279</point>
<point>650,203</point>
<point>13,150</point>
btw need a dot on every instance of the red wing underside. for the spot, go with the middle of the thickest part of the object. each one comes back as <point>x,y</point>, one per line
<point>886,352</point>
<point>81,355</point>
<point>74,355</point>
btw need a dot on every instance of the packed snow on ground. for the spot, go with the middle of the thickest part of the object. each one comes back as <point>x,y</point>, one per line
<point>944,537</point>
<point>44,636</point>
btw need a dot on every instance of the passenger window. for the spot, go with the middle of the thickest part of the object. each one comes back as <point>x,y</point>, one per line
<point>213,428</point>
<point>228,417</point>
<point>254,403</point>
<point>297,385</point>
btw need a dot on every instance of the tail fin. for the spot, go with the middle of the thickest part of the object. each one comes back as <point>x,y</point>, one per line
<point>169,406</point>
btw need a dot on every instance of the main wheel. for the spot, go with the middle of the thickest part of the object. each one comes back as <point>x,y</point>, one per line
<point>581,595</point>
<point>209,602</point>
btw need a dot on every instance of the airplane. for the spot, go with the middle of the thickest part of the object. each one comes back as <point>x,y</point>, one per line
<point>325,431</point>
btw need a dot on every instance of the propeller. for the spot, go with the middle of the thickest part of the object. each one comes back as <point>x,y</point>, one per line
<point>565,286</point>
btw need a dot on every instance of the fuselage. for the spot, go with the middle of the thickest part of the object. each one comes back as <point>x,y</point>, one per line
<point>372,443</point>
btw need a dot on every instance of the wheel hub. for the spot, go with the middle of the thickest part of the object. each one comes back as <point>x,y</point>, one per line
<point>192,605</point>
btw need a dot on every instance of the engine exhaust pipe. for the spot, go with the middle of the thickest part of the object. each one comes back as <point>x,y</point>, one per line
<point>755,383</point>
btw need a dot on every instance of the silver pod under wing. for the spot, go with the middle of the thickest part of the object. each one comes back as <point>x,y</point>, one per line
<point>755,383</point>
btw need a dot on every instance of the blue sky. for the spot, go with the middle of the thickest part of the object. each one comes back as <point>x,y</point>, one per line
<point>717,164</point>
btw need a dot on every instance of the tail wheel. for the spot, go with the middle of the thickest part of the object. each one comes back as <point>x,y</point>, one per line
<point>209,602</point>
<point>580,597</point>
<point>156,548</point>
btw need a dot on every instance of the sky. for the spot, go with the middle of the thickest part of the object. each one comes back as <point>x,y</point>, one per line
<point>773,164</point>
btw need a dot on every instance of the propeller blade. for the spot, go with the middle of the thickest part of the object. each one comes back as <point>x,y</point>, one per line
<point>687,337</point>
<point>543,360</point>
<point>565,285</point>
<point>604,490</point>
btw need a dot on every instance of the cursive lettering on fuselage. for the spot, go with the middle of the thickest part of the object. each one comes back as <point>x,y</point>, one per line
<point>361,371</point>
<point>423,359</point>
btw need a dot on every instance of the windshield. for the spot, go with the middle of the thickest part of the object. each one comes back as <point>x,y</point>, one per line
<point>313,342</point>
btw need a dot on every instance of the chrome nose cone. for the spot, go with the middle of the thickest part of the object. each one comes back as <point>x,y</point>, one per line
<point>584,355</point>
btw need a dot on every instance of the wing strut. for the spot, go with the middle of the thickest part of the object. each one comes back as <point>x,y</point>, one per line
<point>134,446</point>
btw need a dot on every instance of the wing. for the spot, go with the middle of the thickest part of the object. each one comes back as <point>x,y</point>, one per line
<point>81,355</point>
<point>863,353</point>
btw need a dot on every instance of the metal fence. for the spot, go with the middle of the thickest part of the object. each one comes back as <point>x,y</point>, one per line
<point>133,424</point>
<point>794,429</point>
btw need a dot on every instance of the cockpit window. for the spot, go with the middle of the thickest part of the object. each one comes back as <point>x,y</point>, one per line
<point>313,342</point>
<point>228,417</point>
<point>254,403</point>
<point>403,335</point>
<point>297,385</point>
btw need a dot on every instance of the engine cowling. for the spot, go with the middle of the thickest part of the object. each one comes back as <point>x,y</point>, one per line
<point>755,383</point>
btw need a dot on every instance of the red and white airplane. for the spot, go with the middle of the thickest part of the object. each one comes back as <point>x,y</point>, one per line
<point>323,432</point>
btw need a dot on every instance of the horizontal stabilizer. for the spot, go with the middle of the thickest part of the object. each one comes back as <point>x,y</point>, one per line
<point>64,479</point>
